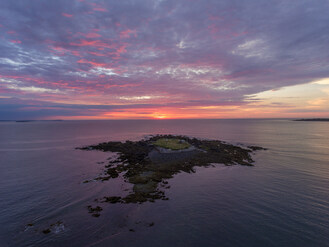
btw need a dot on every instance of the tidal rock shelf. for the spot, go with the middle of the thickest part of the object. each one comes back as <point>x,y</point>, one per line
<point>149,163</point>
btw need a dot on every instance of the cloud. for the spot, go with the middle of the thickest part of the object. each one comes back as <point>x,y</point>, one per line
<point>67,15</point>
<point>113,52</point>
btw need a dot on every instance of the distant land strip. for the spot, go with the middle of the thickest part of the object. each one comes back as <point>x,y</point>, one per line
<point>313,119</point>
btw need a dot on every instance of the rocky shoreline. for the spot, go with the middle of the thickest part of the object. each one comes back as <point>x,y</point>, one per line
<point>149,163</point>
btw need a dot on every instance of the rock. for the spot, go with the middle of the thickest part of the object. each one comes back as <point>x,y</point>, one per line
<point>255,148</point>
<point>94,211</point>
<point>46,231</point>
<point>112,199</point>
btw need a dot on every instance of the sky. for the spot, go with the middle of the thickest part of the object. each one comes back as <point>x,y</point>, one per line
<point>163,59</point>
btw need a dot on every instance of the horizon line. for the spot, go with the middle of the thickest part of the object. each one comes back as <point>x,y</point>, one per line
<point>156,119</point>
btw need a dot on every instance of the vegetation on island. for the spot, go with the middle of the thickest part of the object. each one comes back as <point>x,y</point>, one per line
<point>171,143</point>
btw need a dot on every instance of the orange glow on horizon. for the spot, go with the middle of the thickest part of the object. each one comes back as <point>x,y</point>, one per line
<point>166,114</point>
<point>159,116</point>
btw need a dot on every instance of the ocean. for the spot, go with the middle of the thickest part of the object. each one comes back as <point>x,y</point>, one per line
<point>283,200</point>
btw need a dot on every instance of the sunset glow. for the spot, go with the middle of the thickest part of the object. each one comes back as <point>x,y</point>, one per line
<point>148,59</point>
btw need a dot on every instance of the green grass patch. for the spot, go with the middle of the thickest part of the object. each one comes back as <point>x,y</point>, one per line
<point>173,144</point>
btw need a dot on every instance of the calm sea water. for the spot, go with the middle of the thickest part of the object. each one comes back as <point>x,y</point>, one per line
<point>282,201</point>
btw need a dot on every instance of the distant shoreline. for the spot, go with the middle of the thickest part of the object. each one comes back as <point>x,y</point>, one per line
<point>26,121</point>
<point>313,120</point>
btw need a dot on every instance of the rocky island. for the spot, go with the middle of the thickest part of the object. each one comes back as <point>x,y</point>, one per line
<point>149,163</point>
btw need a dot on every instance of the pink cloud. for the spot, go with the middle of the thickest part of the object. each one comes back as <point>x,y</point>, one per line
<point>122,49</point>
<point>100,9</point>
<point>59,50</point>
<point>92,35</point>
<point>67,15</point>
<point>76,53</point>
<point>97,54</point>
<point>16,41</point>
<point>119,50</point>
<point>95,43</point>
<point>91,62</point>
<point>127,33</point>
<point>120,86</point>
